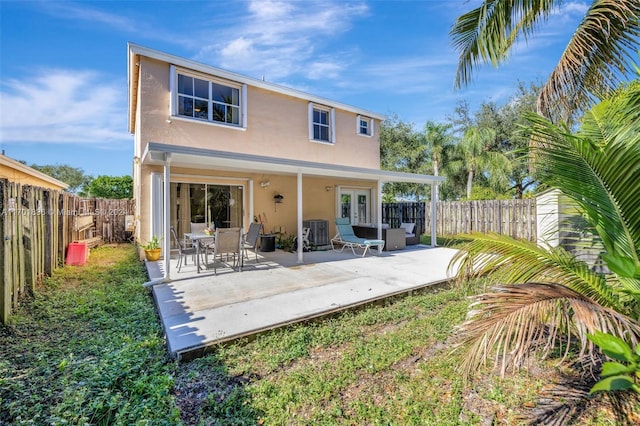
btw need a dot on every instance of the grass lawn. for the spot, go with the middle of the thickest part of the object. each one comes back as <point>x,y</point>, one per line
<point>89,349</point>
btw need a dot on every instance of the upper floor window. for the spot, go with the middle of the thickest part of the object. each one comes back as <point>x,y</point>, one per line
<point>364,126</point>
<point>208,100</point>
<point>321,123</point>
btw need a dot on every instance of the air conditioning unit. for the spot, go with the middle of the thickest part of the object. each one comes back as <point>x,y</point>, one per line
<point>319,235</point>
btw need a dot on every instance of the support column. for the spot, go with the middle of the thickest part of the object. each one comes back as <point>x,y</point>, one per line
<point>251,214</point>
<point>299,198</point>
<point>166,242</point>
<point>379,210</point>
<point>434,201</point>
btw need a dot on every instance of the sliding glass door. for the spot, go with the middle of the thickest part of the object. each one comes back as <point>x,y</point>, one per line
<point>217,205</point>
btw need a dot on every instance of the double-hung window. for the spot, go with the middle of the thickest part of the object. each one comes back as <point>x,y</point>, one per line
<point>364,126</point>
<point>321,124</point>
<point>208,99</point>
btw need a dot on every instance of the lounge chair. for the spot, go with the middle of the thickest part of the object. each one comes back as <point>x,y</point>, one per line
<point>347,238</point>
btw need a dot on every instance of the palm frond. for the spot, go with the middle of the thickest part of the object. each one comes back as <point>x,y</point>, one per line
<point>597,56</point>
<point>503,259</point>
<point>569,400</point>
<point>487,32</point>
<point>599,168</point>
<point>513,321</point>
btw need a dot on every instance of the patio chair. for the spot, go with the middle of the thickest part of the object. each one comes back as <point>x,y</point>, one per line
<point>250,240</point>
<point>183,251</point>
<point>347,238</point>
<point>228,241</point>
<point>412,234</point>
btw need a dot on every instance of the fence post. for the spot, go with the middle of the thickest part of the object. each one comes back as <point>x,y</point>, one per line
<point>5,292</point>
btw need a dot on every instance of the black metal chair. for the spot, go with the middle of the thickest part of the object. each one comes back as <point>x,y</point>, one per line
<point>183,252</point>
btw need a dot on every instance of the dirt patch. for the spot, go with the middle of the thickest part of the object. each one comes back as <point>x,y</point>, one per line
<point>201,385</point>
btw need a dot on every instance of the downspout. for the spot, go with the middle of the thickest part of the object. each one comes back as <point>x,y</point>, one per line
<point>299,198</point>
<point>434,201</point>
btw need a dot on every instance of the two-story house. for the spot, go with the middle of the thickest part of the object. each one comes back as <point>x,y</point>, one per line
<point>217,147</point>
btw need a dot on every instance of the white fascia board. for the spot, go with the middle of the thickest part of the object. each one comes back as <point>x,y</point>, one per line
<point>11,163</point>
<point>135,49</point>
<point>210,159</point>
<point>132,88</point>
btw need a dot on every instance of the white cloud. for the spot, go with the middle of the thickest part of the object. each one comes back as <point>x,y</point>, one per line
<point>63,106</point>
<point>85,13</point>
<point>410,75</point>
<point>326,68</point>
<point>82,12</point>
<point>279,39</point>
<point>571,9</point>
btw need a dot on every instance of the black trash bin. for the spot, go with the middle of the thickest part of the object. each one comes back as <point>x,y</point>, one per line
<point>267,242</point>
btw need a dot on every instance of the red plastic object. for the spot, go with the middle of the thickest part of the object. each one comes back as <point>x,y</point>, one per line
<point>77,254</point>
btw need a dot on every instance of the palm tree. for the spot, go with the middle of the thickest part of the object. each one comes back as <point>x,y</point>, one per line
<point>440,141</point>
<point>597,57</point>
<point>475,158</point>
<point>555,298</point>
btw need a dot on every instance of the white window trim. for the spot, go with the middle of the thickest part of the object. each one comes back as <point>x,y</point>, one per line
<point>363,118</point>
<point>173,98</point>
<point>332,123</point>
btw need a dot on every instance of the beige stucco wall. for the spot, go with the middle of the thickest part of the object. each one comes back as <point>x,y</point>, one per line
<point>277,126</point>
<point>318,201</point>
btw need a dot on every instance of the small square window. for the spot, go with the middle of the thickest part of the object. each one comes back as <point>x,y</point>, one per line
<point>185,106</point>
<point>201,88</point>
<point>185,85</point>
<point>364,126</point>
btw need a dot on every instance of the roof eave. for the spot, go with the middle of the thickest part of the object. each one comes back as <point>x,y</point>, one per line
<point>137,50</point>
<point>155,154</point>
<point>10,162</point>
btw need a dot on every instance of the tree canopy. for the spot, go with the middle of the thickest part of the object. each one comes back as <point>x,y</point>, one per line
<point>103,186</point>
<point>72,176</point>
<point>494,166</point>
<point>112,187</point>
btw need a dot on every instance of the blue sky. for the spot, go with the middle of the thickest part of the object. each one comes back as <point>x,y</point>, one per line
<point>63,87</point>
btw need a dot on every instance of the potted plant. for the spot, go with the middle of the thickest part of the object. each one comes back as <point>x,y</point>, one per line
<point>152,249</point>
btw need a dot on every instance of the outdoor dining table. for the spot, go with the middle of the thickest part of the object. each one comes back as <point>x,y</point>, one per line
<point>197,238</point>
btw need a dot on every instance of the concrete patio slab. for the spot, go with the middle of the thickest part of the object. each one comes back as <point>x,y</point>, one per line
<point>200,310</point>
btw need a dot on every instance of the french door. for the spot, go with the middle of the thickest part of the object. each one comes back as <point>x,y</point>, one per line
<point>356,205</point>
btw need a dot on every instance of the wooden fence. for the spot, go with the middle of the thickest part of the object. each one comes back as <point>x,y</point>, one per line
<point>516,218</point>
<point>36,227</point>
